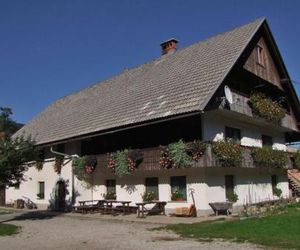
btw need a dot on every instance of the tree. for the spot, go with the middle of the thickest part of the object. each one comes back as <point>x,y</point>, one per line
<point>14,152</point>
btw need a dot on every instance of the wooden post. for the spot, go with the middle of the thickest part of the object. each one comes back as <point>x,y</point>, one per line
<point>2,195</point>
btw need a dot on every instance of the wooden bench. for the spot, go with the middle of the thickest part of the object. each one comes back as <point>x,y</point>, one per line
<point>158,208</point>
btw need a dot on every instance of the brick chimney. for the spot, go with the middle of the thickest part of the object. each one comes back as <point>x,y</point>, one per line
<point>169,46</point>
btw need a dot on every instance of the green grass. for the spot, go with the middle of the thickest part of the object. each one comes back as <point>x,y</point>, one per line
<point>8,229</point>
<point>278,230</point>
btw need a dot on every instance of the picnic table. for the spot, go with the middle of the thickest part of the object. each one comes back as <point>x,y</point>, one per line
<point>108,206</point>
<point>88,206</point>
<point>158,208</point>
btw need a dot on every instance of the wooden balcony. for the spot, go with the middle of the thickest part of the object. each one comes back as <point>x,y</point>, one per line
<point>152,156</point>
<point>241,105</point>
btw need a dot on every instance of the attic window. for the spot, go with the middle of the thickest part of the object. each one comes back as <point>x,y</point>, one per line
<point>260,56</point>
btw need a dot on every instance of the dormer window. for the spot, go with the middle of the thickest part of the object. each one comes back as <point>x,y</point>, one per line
<point>260,55</point>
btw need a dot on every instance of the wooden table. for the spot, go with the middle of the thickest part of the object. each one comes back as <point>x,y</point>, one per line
<point>109,206</point>
<point>88,205</point>
<point>159,207</point>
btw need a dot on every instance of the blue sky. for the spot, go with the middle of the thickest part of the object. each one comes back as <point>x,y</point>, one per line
<point>49,49</point>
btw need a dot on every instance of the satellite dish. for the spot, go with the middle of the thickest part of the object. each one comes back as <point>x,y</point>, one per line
<point>228,94</point>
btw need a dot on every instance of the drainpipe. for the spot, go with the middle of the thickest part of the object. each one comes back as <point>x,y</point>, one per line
<point>70,157</point>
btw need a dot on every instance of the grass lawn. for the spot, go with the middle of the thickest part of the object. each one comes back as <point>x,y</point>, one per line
<point>277,230</point>
<point>8,229</point>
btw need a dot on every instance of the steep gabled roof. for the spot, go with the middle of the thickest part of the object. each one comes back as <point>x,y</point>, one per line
<point>170,85</point>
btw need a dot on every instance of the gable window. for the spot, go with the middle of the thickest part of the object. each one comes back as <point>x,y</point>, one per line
<point>152,186</point>
<point>229,185</point>
<point>274,183</point>
<point>267,140</point>
<point>41,190</point>
<point>178,188</point>
<point>260,55</point>
<point>233,134</point>
<point>111,187</point>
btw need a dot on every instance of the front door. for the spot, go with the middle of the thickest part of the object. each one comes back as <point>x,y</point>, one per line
<point>2,196</point>
<point>60,195</point>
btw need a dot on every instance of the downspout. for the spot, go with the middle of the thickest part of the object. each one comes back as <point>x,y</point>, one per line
<point>72,173</point>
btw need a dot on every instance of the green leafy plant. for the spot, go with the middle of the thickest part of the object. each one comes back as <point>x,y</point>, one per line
<point>266,108</point>
<point>149,196</point>
<point>124,162</point>
<point>297,159</point>
<point>79,167</point>
<point>277,192</point>
<point>121,165</point>
<point>268,157</point>
<point>228,153</point>
<point>232,196</point>
<point>177,196</point>
<point>58,164</point>
<point>178,154</point>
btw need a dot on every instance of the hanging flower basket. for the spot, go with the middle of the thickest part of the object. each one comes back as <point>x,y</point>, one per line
<point>264,107</point>
<point>84,166</point>
<point>124,162</point>
<point>196,149</point>
<point>58,164</point>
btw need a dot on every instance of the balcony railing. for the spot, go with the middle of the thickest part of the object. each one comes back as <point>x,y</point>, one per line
<point>151,158</point>
<point>241,105</point>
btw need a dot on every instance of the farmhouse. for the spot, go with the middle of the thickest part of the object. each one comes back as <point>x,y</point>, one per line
<point>214,118</point>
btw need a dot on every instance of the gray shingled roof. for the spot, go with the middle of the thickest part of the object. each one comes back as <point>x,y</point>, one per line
<point>172,84</point>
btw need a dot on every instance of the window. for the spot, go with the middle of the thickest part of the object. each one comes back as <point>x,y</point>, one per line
<point>229,185</point>
<point>41,190</point>
<point>111,186</point>
<point>152,186</point>
<point>260,55</point>
<point>233,134</point>
<point>267,140</point>
<point>178,185</point>
<point>274,183</point>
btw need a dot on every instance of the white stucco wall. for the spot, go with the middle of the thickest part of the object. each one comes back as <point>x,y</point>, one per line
<point>29,187</point>
<point>251,185</point>
<point>213,127</point>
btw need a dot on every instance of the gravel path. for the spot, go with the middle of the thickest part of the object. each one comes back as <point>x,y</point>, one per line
<point>63,232</point>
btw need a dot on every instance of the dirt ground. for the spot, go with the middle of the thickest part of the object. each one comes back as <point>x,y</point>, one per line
<point>53,231</point>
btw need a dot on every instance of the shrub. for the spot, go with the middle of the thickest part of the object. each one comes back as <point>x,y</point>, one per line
<point>266,108</point>
<point>228,153</point>
<point>121,165</point>
<point>268,157</point>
